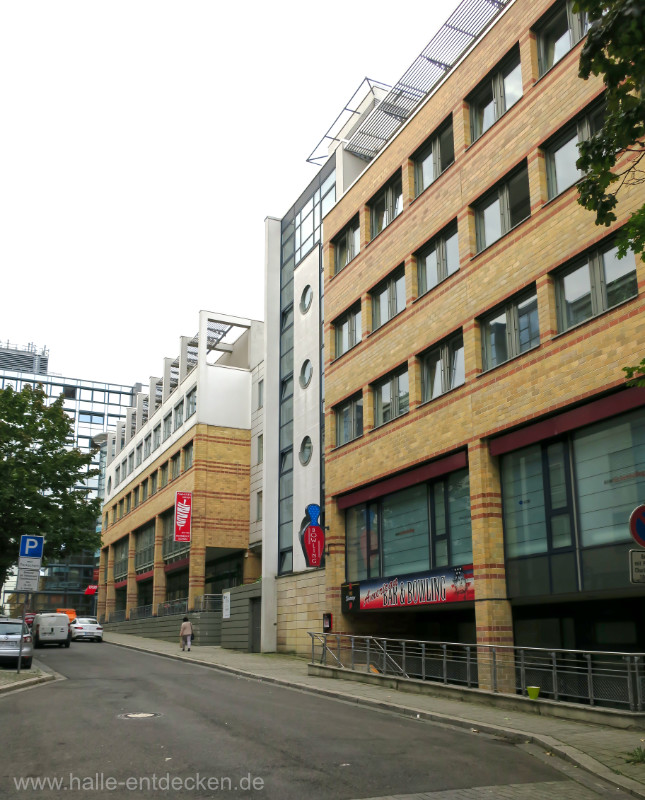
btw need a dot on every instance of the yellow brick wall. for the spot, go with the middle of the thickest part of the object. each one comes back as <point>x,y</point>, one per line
<point>301,604</point>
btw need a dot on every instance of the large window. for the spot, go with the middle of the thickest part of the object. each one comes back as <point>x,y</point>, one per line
<point>167,426</point>
<point>188,456</point>
<point>443,368</point>
<point>179,415</point>
<point>156,437</point>
<point>511,330</point>
<point>175,466</point>
<point>495,95</point>
<point>346,245</point>
<point>562,152</point>
<point>349,420</point>
<point>503,208</point>
<point>438,260</point>
<point>391,397</point>
<point>423,527</point>
<point>147,446</point>
<point>388,298</point>
<point>347,330</point>
<point>436,155</point>
<point>386,205</point>
<point>594,283</point>
<point>558,31</point>
<point>566,507</point>
<point>191,402</point>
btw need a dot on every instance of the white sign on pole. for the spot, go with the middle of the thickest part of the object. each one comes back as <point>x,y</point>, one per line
<point>26,562</point>
<point>637,566</point>
<point>27,580</point>
<point>226,605</point>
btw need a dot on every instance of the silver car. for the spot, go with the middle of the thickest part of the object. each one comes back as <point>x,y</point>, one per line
<point>10,642</point>
<point>87,628</point>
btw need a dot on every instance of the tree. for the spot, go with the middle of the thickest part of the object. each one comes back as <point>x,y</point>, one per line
<point>615,49</point>
<point>636,374</point>
<point>40,472</point>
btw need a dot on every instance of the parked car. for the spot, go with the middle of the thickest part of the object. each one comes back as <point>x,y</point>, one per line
<point>87,628</point>
<point>51,628</point>
<point>10,642</point>
<point>29,617</point>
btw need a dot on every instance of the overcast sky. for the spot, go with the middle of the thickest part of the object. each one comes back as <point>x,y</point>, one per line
<point>142,145</point>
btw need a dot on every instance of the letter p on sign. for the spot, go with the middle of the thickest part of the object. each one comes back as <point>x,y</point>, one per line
<point>32,546</point>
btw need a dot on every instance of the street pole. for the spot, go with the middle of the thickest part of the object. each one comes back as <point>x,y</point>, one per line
<point>22,627</point>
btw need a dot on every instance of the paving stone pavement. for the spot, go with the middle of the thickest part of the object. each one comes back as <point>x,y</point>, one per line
<point>598,749</point>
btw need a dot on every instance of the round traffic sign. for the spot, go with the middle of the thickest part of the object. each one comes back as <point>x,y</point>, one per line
<point>637,525</point>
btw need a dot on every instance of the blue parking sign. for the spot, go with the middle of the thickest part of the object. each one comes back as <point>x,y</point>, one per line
<point>32,546</point>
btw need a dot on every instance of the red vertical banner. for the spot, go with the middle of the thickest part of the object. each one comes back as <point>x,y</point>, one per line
<point>183,516</point>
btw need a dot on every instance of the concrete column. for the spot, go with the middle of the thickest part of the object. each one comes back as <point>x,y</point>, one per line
<point>158,574</point>
<point>102,593</point>
<point>407,182</point>
<point>493,615</point>
<point>110,596</point>
<point>131,590</point>
<point>196,570</point>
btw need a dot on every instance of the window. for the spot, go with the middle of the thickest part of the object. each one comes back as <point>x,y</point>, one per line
<point>191,403</point>
<point>139,458</point>
<point>144,491</point>
<point>147,446</point>
<point>438,260</point>
<point>443,368</point>
<point>349,420</point>
<point>388,298</point>
<point>164,475</point>
<point>258,507</point>
<point>109,486</point>
<point>128,503</point>
<point>562,152</point>
<point>124,469</point>
<point>135,497</point>
<point>156,437</point>
<point>188,456</point>
<point>260,448</point>
<point>557,33</point>
<point>113,514</point>
<point>391,397</point>
<point>437,154</point>
<point>306,373</point>
<point>502,209</point>
<point>593,284</point>
<point>91,417</point>
<point>179,415</point>
<point>260,393</point>
<point>130,463</point>
<point>306,299</point>
<point>511,330</point>
<point>167,426</point>
<point>306,449</point>
<point>346,245</point>
<point>495,95</point>
<point>175,465</point>
<point>386,205</point>
<point>153,483</point>
<point>347,330</point>
<point>121,508</point>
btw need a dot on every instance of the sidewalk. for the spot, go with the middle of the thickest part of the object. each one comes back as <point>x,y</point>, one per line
<point>598,749</point>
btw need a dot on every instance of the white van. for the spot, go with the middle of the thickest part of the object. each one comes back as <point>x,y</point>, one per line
<point>51,629</point>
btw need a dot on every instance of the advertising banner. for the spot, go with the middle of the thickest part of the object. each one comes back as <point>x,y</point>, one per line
<point>312,538</point>
<point>445,585</point>
<point>183,516</point>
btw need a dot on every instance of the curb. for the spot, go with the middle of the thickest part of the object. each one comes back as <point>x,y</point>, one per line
<point>546,743</point>
<point>26,684</point>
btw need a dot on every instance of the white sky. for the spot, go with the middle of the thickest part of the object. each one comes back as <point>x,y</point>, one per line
<point>142,145</point>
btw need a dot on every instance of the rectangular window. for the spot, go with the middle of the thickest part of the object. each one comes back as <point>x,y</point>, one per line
<point>391,397</point>
<point>175,464</point>
<point>557,32</point>
<point>502,209</point>
<point>260,393</point>
<point>443,368</point>
<point>144,491</point>
<point>188,456</point>
<point>258,507</point>
<point>117,476</point>
<point>128,503</point>
<point>121,508</point>
<point>347,330</point>
<point>130,463</point>
<point>147,446</point>
<point>179,415</point>
<point>346,245</point>
<point>191,403</point>
<point>156,437</point>
<point>388,298</point>
<point>438,260</point>
<point>511,330</point>
<point>386,205</point>
<point>495,95</point>
<point>153,483</point>
<point>561,153</point>
<point>167,426</point>
<point>164,474</point>
<point>436,155</point>
<point>593,284</point>
<point>135,496</point>
<point>139,457</point>
<point>260,449</point>
<point>349,420</point>
<point>124,469</point>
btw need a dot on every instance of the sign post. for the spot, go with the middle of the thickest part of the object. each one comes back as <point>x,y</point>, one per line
<point>29,561</point>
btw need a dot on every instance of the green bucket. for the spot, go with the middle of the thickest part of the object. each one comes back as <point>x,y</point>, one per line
<point>533,691</point>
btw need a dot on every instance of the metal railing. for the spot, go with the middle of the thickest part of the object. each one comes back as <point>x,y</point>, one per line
<point>208,602</point>
<point>595,678</point>
<point>172,607</point>
<point>117,616</point>
<point>141,612</point>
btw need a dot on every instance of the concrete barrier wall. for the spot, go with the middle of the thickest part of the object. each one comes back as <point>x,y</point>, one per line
<point>207,626</point>
<point>236,631</point>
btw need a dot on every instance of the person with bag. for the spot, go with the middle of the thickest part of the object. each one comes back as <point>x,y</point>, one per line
<point>186,633</point>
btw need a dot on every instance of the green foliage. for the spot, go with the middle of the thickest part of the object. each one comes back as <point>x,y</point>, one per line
<point>39,470</point>
<point>636,375</point>
<point>636,756</point>
<point>615,49</point>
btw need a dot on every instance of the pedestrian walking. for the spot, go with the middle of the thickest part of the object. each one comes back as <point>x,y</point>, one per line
<point>186,633</point>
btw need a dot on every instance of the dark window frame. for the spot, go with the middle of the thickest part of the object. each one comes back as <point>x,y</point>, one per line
<point>513,340</point>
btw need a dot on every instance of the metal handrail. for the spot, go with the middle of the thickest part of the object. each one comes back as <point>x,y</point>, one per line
<point>596,678</point>
<point>171,607</point>
<point>117,616</point>
<point>208,602</point>
<point>141,612</point>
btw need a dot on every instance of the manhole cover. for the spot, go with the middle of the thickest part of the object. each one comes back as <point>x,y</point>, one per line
<point>138,715</point>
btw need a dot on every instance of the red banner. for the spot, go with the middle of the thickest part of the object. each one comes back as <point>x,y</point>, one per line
<point>91,589</point>
<point>183,516</point>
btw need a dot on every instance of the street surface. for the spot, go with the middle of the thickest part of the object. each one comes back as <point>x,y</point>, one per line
<point>214,735</point>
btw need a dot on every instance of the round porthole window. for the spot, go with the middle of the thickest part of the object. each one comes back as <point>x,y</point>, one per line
<point>306,449</point>
<point>305,374</point>
<point>305,299</point>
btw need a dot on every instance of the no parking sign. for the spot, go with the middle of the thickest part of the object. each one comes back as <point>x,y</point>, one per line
<point>637,525</point>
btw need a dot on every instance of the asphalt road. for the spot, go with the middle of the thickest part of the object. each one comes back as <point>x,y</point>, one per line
<point>216,735</point>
